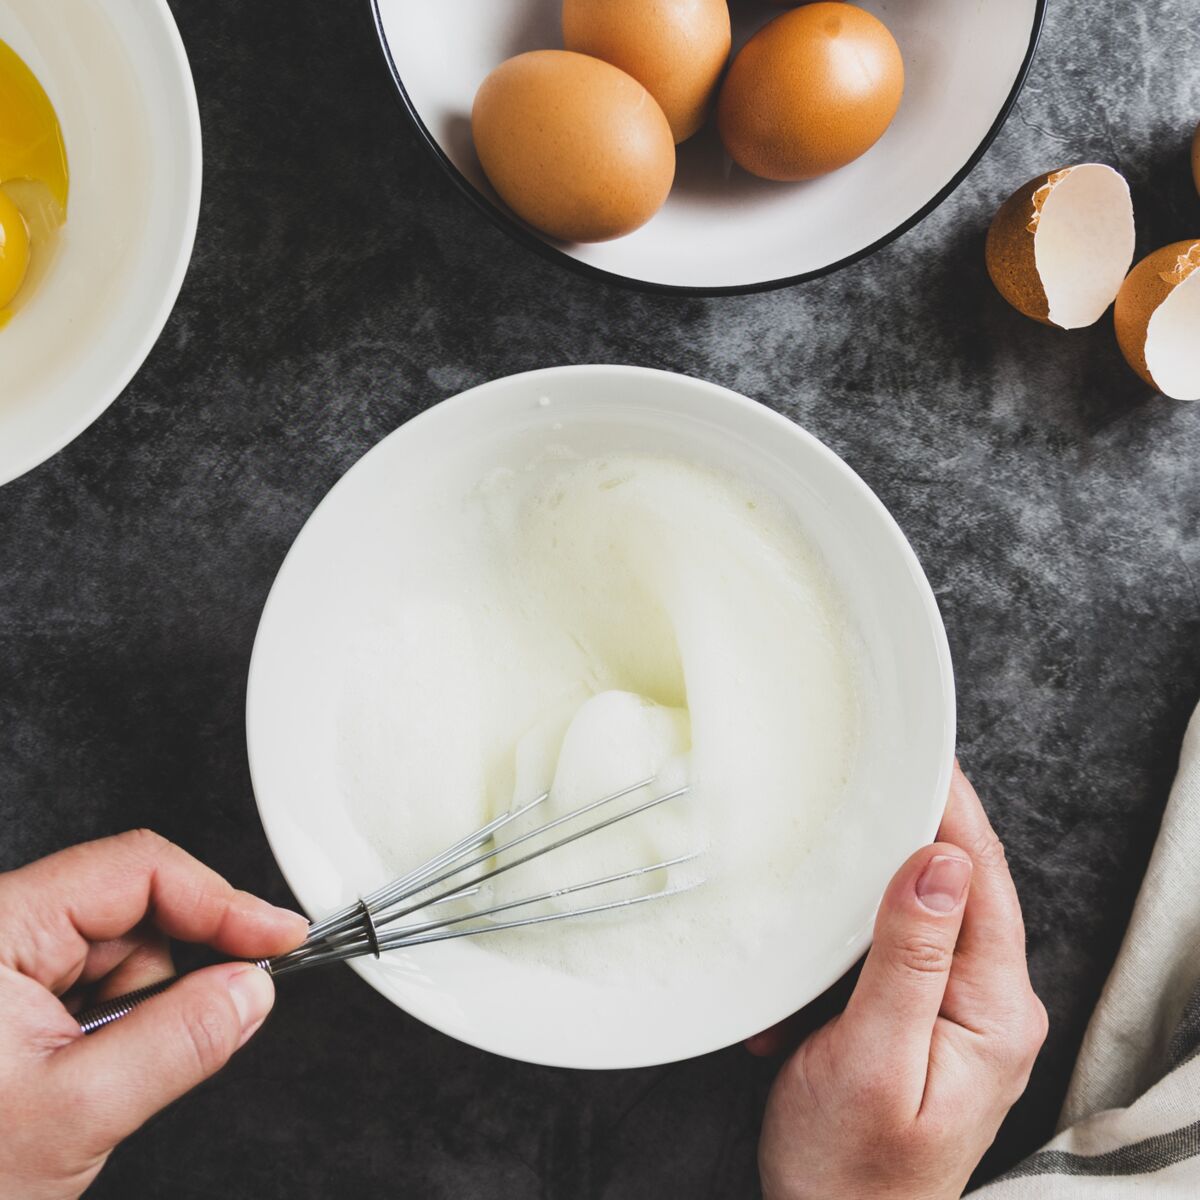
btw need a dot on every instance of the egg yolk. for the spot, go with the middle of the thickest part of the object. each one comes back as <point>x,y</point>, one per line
<point>33,163</point>
<point>14,250</point>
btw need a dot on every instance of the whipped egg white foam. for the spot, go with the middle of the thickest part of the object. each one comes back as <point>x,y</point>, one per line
<point>585,622</point>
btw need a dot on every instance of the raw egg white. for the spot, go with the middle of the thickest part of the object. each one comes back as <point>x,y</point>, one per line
<point>811,91</point>
<point>573,145</point>
<point>34,179</point>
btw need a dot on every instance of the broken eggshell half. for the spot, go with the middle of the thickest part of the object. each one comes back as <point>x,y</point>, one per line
<point>1157,320</point>
<point>1060,246</point>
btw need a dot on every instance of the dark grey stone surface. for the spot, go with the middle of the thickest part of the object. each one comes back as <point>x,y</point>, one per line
<point>340,285</point>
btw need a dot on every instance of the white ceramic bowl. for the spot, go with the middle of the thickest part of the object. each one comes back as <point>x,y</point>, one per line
<point>343,562</point>
<point>118,77</point>
<point>722,230</point>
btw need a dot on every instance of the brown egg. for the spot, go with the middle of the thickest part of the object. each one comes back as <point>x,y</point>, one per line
<point>1157,319</point>
<point>810,92</point>
<point>676,48</point>
<point>573,145</point>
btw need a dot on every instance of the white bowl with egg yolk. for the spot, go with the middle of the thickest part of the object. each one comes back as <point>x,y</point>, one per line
<point>339,576</point>
<point>118,78</point>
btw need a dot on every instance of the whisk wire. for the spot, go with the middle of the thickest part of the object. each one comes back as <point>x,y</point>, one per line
<point>351,935</point>
<point>345,925</point>
<point>387,916</point>
<point>407,883</point>
<point>346,936</point>
<point>433,931</point>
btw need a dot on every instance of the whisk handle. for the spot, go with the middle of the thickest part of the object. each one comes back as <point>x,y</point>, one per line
<point>112,1010</point>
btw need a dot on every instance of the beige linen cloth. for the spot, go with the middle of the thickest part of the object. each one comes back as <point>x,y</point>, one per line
<point>1131,1123</point>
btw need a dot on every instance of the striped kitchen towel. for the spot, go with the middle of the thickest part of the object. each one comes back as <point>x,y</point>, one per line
<point>1131,1123</point>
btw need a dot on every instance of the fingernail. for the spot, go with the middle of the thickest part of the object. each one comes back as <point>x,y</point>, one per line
<point>252,993</point>
<point>943,883</point>
<point>249,1033</point>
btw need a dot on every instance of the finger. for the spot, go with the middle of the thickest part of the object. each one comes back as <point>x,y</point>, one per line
<point>772,1041</point>
<point>888,1023</point>
<point>786,1035</point>
<point>124,964</point>
<point>100,890</point>
<point>34,1025</point>
<point>991,947</point>
<point>146,963</point>
<point>101,958</point>
<point>105,957</point>
<point>116,1079</point>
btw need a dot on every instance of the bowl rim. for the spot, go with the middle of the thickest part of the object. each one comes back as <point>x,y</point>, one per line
<point>504,220</point>
<point>274,827</point>
<point>105,396</point>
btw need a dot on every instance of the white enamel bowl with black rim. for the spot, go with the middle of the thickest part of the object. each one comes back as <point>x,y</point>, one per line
<point>344,570</point>
<point>722,230</point>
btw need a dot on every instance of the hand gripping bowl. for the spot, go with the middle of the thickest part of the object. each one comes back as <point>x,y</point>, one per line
<point>118,77</point>
<point>342,560</point>
<point>721,230</point>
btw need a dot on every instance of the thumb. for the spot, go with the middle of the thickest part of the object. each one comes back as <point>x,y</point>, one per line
<point>899,993</point>
<point>120,1076</point>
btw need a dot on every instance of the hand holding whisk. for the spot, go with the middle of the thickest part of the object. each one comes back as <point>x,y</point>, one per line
<point>376,923</point>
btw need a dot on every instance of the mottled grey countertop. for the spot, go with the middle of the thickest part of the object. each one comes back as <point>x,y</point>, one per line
<point>340,285</point>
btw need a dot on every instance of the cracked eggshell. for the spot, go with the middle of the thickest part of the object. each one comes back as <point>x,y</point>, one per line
<point>1060,246</point>
<point>1157,320</point>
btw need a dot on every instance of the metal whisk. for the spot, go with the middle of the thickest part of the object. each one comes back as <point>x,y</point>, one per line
<point>371,925</point>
